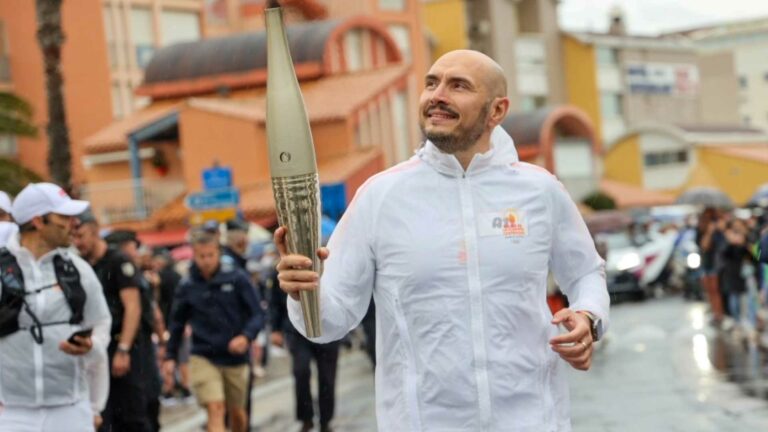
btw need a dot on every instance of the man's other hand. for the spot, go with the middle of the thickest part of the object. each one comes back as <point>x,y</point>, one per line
<point>576,346</point>
<point>295,271</point>
<point>239,345</point>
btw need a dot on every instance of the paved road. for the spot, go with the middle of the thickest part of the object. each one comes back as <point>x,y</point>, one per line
<point>660,369</point>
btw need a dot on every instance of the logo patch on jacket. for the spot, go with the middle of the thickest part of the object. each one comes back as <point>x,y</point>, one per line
<point>510,223</point>
<point>127,269</point>
<point>227,288</point>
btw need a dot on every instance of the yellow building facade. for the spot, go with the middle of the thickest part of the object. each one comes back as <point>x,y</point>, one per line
<point>674,159</point>
<point>446,21</point>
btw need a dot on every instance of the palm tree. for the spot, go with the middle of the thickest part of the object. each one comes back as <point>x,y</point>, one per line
<point>15,116</point>
<point>50,36</point>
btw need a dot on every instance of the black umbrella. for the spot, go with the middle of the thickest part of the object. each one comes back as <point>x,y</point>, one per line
<point>705,196</point>
<point>760,197</point>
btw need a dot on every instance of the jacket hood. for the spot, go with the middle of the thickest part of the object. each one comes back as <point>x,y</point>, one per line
<point>502,152</point>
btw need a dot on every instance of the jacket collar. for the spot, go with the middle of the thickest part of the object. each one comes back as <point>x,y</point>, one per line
<point>502,152</point>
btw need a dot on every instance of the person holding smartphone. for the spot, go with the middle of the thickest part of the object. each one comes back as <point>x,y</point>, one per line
<point>47,295</point>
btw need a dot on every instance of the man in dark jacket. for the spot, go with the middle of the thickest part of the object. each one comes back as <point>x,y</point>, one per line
<point>222,307</point>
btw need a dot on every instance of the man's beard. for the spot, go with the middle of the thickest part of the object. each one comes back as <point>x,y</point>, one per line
<point>462,139</point>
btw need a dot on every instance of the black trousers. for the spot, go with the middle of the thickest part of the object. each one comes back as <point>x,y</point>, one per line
<point>369,328</point>
<point>326,357</point>
<point>126,409</point>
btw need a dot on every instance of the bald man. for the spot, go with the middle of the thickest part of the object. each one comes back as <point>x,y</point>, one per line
<point>455,245</point>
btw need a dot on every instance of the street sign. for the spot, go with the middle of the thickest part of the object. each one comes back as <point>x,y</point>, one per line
<point>213,199</point>
<point>220,215</point>
<point>217,178</point>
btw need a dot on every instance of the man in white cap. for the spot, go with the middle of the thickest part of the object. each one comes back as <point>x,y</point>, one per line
<point>8,229</point>
<point>50,300</point>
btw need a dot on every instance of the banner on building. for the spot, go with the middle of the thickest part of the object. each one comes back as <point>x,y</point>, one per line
<point>663,79</point>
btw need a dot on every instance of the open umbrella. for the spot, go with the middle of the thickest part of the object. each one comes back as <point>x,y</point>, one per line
<point>705,196</point>
<point>760,197</point>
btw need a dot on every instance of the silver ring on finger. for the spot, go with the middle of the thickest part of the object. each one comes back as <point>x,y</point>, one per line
<point>585,344</point>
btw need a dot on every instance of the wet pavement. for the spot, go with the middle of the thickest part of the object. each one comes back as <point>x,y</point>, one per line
<point>661,368</point>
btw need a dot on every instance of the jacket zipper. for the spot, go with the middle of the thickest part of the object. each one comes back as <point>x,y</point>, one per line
<point>476,302</point>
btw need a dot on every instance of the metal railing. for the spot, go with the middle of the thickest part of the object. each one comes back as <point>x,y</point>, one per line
<point>116,201</point>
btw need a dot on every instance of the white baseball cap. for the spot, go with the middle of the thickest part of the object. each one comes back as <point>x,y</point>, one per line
<point>5,202</point>
<point>39,199</point>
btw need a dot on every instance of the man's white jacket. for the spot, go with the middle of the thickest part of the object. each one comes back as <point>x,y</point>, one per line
<point>457,263</point>
<point>41,375</point>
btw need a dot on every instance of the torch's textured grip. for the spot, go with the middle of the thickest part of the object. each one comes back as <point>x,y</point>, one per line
<point>297,199</point>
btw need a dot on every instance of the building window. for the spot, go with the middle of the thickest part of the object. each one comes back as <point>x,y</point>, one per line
<point>743,82</point>
<point>117,102</point>
<point>532,103</point>
<point>143,35</point>
<point>607,56</point>
<point>110,36</point>
<point>180,26</point>
<point>676,157</point>
<point>353,50</point>
<point>393,5</point>
<point>5,67</point>
<point>611,105</point>
<point>8,146</point>
<point>402,37</point>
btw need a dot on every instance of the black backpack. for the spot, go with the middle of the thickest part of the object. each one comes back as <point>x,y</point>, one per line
<point>13,297</point>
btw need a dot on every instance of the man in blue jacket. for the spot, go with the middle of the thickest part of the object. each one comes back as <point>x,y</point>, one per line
<point>222,307</point>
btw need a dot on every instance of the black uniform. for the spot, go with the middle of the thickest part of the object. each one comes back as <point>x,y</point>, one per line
<point>302,352</point>
<point>127,404</point>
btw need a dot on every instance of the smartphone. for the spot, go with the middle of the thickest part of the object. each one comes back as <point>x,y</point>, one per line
<point>81,333</point>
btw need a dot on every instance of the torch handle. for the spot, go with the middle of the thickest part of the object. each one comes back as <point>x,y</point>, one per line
<point>297,199</point>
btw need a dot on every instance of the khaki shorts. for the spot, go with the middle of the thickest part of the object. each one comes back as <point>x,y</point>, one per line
<point>213,383</point>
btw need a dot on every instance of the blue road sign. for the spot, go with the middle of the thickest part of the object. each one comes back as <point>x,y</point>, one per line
<point>213,199</point>
<point>217,178</point>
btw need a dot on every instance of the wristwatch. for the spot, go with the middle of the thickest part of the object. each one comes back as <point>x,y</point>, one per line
<point>122,348</point>
<point>595,325</point>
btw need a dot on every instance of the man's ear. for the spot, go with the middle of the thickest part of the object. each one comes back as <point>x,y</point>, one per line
<point>499,110</point>
<point>38,222</point>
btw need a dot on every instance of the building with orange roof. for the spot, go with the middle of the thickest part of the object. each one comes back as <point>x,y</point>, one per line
<point>672,159</point>
<point>208,107</point>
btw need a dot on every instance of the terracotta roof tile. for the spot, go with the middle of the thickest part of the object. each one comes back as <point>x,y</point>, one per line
<point>346,92</point>
<point>113,137</point>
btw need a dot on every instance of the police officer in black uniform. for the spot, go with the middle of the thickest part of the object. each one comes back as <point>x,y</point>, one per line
<point>126,409</point>
<point>302,351</point>
<point>127,242</point>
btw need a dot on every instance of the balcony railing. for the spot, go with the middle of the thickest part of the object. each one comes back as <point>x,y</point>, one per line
<point>116,201</point>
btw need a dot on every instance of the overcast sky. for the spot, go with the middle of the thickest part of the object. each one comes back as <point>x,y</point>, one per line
<point>655,16</point>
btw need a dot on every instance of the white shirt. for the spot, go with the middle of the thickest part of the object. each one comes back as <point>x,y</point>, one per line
<point>9,232</point>
<point>457,264</point>
<point>40,375</point>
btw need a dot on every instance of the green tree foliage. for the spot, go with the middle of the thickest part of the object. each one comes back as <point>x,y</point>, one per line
<point>13,177</point>
<point>15,116</point>
<point>599,201</point>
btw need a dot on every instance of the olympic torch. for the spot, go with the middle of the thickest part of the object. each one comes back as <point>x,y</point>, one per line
<point>292,164</point>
